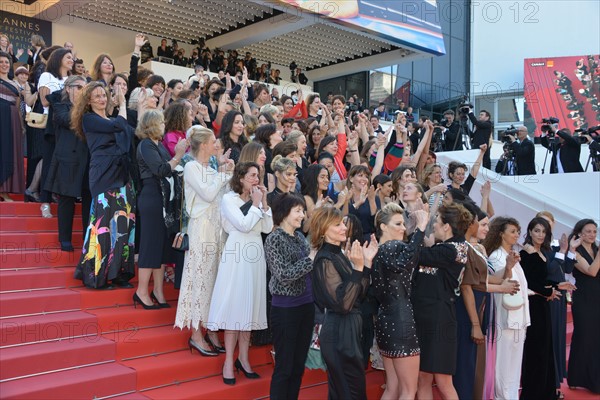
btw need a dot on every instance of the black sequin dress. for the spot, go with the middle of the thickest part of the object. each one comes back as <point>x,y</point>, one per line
<point>392,271</point>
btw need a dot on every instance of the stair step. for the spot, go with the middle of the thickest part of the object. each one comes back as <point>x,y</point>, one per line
<point>36,224</point>
<point>213,388</point>
<point>48,256</point>
<point>31,279</point>
<point>127,318</point>
<point>98,298</point>
<point>148,341</point>
<point>84,383</point>
<point>38,301</point>
<point>171,368</point>
<point>17,208</point>
<point>62,325</point>
<point>131,396</point>
<point>52,356</point>
<point>38,240</point>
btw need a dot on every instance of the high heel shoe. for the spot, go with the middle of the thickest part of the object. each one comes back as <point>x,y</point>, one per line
<point>161,305</point>
<point>206,353</point>
<point>136,299</point>
<point>250,375</point>
<point>219,349</point>
<point>45,209</point>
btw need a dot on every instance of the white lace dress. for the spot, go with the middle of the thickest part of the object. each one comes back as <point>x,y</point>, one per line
<point>204,188</point>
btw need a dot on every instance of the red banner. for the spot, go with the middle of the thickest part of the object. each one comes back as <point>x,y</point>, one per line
<point>563,87</point>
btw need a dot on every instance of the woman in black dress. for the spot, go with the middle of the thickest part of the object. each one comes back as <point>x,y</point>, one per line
<point>339,280</point>
<point>395,326</point>
<point>584,363</point>
<point>537,376</point>
<point>436,284</point>
<point>156,170</point>
<point>232,134</point>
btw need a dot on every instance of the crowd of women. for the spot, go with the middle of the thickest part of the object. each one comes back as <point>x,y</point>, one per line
<point>302,223</point>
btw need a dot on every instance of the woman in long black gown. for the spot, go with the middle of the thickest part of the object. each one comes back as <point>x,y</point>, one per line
<point>395,326</point>
<point>584,362</point>
<point>339,280</point>
<point>537,376</point>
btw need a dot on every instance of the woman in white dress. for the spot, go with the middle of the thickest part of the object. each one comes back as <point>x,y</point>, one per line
<point>511,325</point>
<point>204,188</point>
<point>239,298</point>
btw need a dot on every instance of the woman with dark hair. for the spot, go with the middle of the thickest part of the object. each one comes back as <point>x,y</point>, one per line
<point>103,69</point>
<point>384,183</point>
<point>457,171</point>
<point>584,368</point>
<point>238,303</point>
<point>212,93</point>
<point>511,324</point>
<point>232,134</point>
<point>336,146</point>
<point>109,240</point>
<point>58,68</point>
<point>395,327</point>
<point>537,378</point>
<point>175,86</point>
<point>68,171</point>
<point>178,119</point>
<point>436,286</point>
<point>265,118</point>
<point>363,201</point>
<point>314,189</point>
<point>292,309</point>
<point>255,152</point>
<point>157,84</point>
<point>290,110</point>
<point>401,176</point>
<point>339,281</point>
<point>268,136</point>
<point>11,132</point>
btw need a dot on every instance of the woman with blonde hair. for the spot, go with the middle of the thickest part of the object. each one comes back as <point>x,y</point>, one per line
<point>38,44</point>
<point>204,188</point>
<point>157,218</point>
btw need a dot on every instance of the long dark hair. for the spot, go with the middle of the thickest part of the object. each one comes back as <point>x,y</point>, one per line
<point>547,239</point>
<point>55,61</point>
<point>226,127</point>
<point>579,227</point>
<point>498,225</point>
<point>310,182</point>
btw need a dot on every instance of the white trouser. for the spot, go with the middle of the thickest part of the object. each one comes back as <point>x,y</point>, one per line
<point>509,356</point>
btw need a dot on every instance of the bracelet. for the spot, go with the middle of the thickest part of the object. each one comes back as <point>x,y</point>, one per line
<point>135,54</point>
<point>175,159</point>
<point>352,151</point>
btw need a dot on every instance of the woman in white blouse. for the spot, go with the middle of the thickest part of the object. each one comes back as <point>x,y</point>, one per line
<point>511,321</point>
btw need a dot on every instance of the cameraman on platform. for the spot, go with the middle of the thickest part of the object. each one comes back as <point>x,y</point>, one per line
<point>564,147</point>
<point>452,141</point>
<point>482,133</point>
<point>524,151</point>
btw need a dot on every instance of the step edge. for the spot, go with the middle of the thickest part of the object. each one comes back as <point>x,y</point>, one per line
<point>57,370</point>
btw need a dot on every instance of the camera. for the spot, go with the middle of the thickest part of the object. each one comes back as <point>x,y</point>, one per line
<point>465,107</point>
<point>512,131</point>
<point>546,122</point>
<point>591,131</point>
<point>352,107</point>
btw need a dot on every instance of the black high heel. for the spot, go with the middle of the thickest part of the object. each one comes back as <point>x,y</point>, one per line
<point>250,375</point>
<point>220,349</point>
<point>136,299</point>
<point>161,305</point>
<point>229,381</point>
<point>206,353</point>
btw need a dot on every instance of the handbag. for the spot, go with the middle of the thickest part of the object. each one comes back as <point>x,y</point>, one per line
<point>181,242</point>
<point>36,120</point>
<point>512,302</point>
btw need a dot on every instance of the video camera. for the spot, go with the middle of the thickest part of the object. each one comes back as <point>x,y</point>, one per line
<point>465,107</point>
<point>591,131</point>
<point>512,131</point>
<point>546,122</point>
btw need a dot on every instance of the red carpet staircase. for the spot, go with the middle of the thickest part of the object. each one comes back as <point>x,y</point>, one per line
<point>60,340</point>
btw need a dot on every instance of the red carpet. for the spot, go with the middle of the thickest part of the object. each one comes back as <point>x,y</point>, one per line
<point>60,340</point>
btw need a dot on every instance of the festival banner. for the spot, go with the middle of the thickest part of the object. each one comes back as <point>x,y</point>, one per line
<point>19,29</point>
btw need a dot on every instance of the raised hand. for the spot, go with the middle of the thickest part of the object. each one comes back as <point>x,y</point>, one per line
<point>483,148</point>
<point>225,157</point>
<point>370,251</point>
<point>362,198</point>
<point>356,256</point>
<point>256,196</point>
<point>512,259</point>
<point>563,243</point>
<point>371,193</point>
<point>574,243</point>
<point>140,40</point>
<point>421,219</point>
<point>486,188</point>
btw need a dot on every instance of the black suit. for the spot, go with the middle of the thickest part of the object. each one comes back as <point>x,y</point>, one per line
<point>481,135</point>
<point>570,150</point>
<point>525,156</point>
<point>452,141</point>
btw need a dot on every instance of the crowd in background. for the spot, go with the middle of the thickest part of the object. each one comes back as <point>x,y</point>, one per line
<point>307,224</point>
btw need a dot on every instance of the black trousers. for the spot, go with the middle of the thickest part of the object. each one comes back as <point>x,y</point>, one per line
<point>66,213</point>
<point>48,146</point>
<point>341,349</point>
<point>292,330</point>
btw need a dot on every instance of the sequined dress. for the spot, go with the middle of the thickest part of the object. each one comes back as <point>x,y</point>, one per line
<point>392,271</point>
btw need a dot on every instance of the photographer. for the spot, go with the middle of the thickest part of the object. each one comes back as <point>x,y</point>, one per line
<point>594,146</point>
<point>452,141</point>
<point>564,147</point>
<point>482,132</point>
<point>523,150</point>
